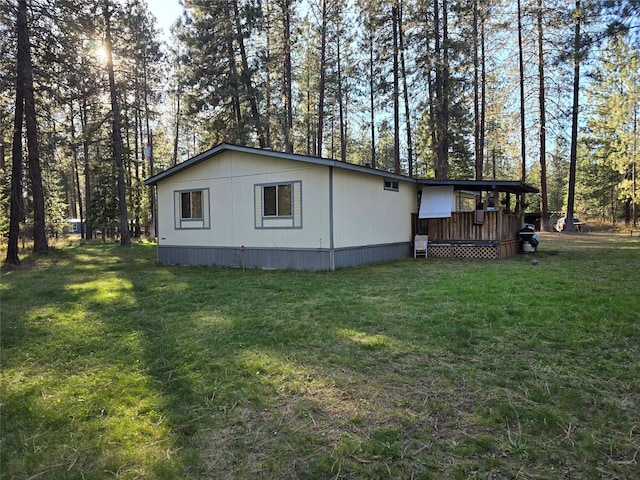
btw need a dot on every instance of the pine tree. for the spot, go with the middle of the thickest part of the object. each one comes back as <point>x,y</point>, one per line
<point>523,123</point>
<point>25,111</point>
<point>441,88</point>
<point>142,52</point>
<point>405,89</point>
<point>446,66</point>
<point>371,40</point>
<point>277,80</point>
<point>307,79</point>
<point>219,73</point>
<point>611,136</point>
<point>324,21</point>
<point>125,239</point>
<point>577,57</point>
<point>544,203</point>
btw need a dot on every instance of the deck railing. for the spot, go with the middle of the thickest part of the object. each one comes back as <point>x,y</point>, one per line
<point>464,226</point>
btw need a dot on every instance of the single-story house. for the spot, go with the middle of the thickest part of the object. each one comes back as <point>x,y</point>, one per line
<point>249,207</point>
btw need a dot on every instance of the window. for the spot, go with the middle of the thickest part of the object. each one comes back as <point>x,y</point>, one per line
<point>465,201</point>
<point>277,200</point>
<point>192,205</point>
<point>278,205</point>
<point>191,209</point>
<point>392,185</point>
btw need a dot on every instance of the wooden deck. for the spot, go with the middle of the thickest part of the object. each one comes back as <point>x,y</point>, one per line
<point>461,236</point>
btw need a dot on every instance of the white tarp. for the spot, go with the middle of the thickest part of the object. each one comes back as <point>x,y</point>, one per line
<point>436,202</point>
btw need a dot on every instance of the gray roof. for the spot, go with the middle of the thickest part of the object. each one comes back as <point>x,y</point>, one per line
<point>471,185</point>
<point>509,186</point>
<point>224,147</point>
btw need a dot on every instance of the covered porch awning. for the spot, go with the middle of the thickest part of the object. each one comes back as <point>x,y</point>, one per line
<point>486,228</point>
<point>507,186</point>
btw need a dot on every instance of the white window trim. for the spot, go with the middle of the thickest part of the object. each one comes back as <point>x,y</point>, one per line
<point>394,185</point>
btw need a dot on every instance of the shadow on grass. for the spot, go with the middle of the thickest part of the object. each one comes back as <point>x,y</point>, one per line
<point>115,366</point>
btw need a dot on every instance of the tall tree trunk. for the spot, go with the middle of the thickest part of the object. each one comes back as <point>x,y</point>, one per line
<point>341,108</point>
<point>573,157</point>
<point>405,88</point>
<point>476,95</point>
<point>15,214</point>
<point>176,132</point>
<point>544,220</point>
<point>437,89</point>
<point>483,92</point>
<point>86,132</point>
<point>523,147</point>
<point>288,82</point>
<point>267,92</point>
<point>634,167</point>
<point>372,93</point>
<point>396,90</point>
<point>246,79</point>
<point>441,90</point>
<point>445,89</point>
<point>151,232</point>
<point>2,152</point>
<point>234,79</point>
<point>76,167</point>
<point>152,197</point>
<point>25,75</point>
<point>311,143</point>
<point>125,238</point>
<point>138,157</point>
<point>431,62</point>
<point>323,72</point>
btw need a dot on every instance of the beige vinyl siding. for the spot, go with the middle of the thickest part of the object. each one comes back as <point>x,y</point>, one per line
<point>231,179</point>
<point>367,214</point>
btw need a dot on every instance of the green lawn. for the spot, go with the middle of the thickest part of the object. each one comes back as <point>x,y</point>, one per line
<point>116,367</point>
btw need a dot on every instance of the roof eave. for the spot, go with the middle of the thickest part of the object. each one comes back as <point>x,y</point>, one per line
<point>274,154</point>
<point>508,186</point>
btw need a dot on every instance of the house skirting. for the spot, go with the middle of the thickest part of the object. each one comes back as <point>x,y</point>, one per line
<point>480,250</point>
<point>282,258</point>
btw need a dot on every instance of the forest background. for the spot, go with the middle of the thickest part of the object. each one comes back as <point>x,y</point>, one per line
<point>94,98</point>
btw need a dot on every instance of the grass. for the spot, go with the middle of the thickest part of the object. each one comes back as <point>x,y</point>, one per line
<point>116,367</point>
